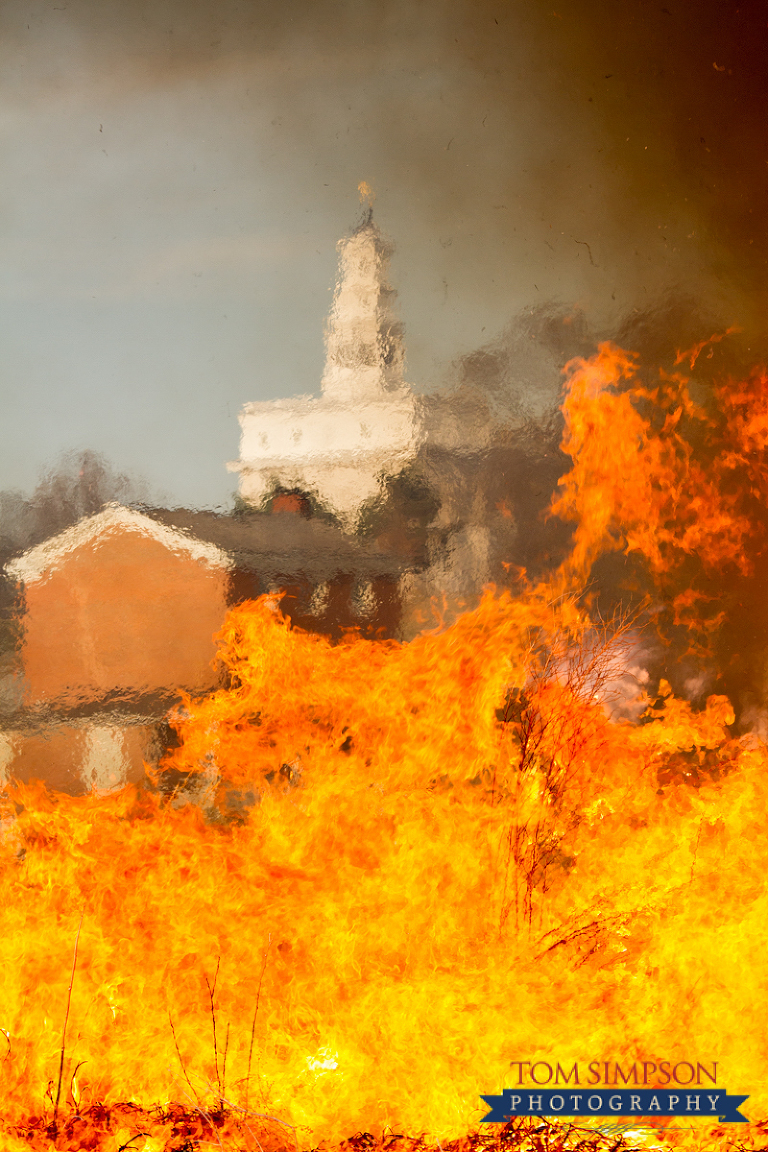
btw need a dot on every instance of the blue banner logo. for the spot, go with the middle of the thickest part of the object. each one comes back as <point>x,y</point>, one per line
<point>714,1103</point>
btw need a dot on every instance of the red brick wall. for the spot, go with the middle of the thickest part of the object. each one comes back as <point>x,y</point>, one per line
<point>121,613</point>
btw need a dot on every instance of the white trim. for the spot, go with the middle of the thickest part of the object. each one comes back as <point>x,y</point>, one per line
<point>49,555</point>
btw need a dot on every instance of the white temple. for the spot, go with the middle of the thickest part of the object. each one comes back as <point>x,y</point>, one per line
<point>367,423</point>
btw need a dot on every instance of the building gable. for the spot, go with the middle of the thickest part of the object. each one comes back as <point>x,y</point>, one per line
<point>119,607</point>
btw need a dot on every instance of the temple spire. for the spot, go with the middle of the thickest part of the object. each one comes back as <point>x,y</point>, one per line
<point>367,195</point>
<point>363,337</point>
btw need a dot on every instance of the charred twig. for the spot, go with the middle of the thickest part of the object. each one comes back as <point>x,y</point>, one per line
<point>72,1083</point>
<point>224,1066</point>
<point>178,1053</point>
<point>575,934</point>
<point>549,723</point>
<point>264,1116</point>
<point>254,1137</point>
<point>212,995</point>
<point>129,1142</point>
<point>64,1029</point>
<point>253,1023</point>
<point>696,851</point>
<point>208,1119</point>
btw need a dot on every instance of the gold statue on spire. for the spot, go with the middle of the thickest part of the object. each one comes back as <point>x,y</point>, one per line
<point>367,194</point>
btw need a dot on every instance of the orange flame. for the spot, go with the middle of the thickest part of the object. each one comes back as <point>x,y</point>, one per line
<point>635,484</point>
<point>418,862</point>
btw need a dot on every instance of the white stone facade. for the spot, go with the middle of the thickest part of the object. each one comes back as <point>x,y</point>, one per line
<point>366,424</point>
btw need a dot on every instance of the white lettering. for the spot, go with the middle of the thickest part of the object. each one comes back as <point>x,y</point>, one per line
<point>615,1107</point>
<point>595,1107</point>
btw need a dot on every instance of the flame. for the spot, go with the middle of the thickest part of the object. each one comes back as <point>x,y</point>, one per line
<point>635,484</point>
<point>419,862</point>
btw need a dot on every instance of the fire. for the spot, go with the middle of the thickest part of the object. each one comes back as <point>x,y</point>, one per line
<point>418,863</point>
<point>636,484</point>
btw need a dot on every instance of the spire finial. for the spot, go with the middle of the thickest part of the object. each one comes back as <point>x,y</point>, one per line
<point>367,197</point>
<point>363,336</point>
<point>367,194</point>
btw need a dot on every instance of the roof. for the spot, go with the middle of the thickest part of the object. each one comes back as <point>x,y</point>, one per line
<point>278,545</point>
<point>274,546</point>
<point>51,554</point>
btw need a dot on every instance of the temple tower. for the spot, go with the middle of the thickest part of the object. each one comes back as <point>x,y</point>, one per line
<point>363,337</point>
<point>366,424</point>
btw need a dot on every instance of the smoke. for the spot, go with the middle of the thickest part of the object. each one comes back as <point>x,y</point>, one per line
<point>603,156</point>
<point>177,175</point>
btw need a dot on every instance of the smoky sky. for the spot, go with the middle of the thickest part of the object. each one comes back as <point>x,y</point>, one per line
<point>177,175</point>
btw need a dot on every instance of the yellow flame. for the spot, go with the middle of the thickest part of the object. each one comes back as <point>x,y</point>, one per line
<point>457,860</point>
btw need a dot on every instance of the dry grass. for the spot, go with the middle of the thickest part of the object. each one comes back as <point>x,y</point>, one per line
<point>124,1127</point>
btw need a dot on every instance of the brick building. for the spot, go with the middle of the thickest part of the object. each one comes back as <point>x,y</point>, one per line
<point>119,612</point>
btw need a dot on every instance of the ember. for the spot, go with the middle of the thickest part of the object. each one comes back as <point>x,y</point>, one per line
<point>455,859</point>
